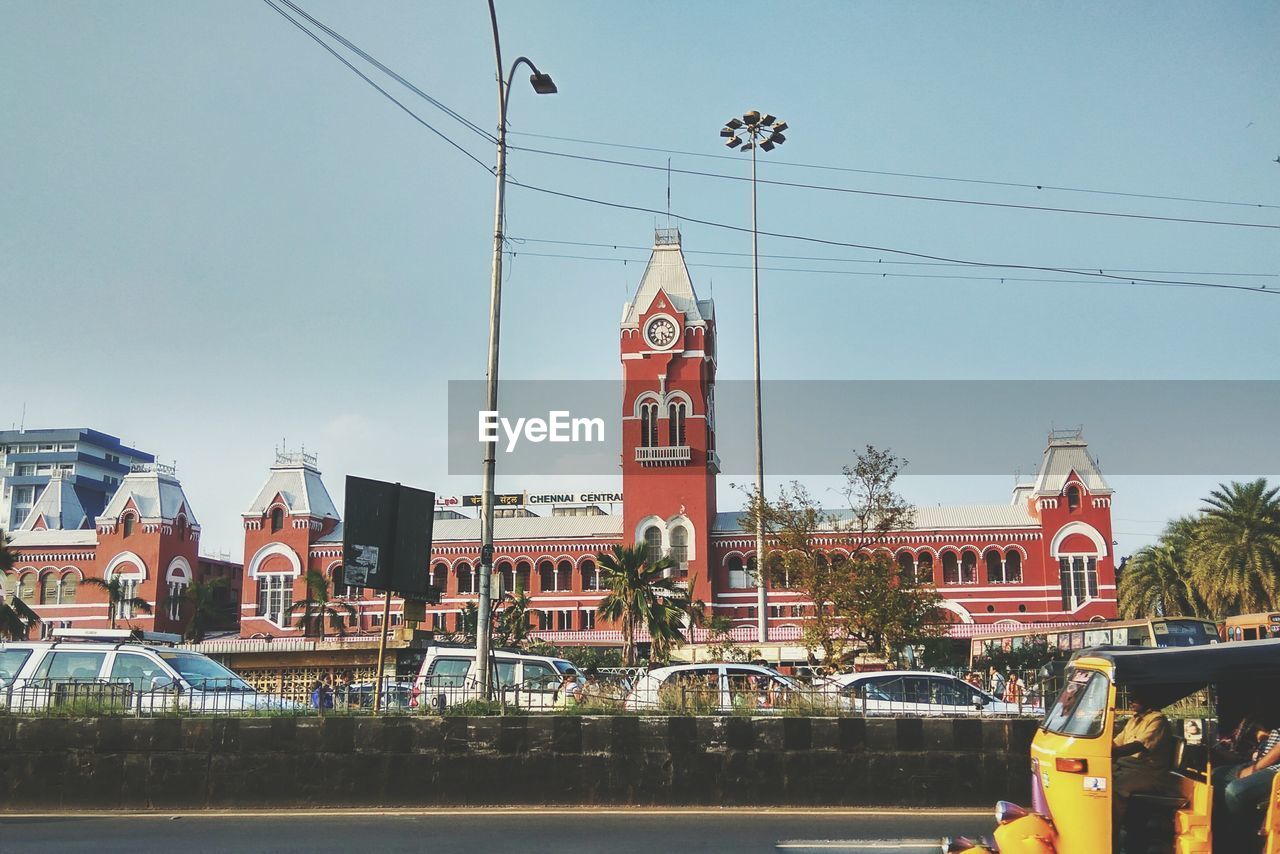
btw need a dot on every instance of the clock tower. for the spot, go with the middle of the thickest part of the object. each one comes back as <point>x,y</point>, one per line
<point>669,461</point>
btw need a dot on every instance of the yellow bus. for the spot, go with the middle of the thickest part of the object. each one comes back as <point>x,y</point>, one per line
<point>1158,632</point>
<point>1248,627</point>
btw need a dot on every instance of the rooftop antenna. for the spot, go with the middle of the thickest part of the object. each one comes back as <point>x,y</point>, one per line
<point>668,192</point>
<point>22,425</point>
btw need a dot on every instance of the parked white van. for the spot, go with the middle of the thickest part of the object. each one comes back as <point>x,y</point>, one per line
<point>122,670</point>
<point>451,675</point>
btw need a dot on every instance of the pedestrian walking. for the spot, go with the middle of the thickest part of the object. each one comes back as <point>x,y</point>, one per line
<point>995,681</point>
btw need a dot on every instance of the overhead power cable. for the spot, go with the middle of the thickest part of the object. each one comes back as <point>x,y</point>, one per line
<point>848,245</point>
<point>366,79</point>
<point>866,273</point>
<point>372,60</point>
<point>914,175</point>
<point>877,261</point>
<point>907,196</point>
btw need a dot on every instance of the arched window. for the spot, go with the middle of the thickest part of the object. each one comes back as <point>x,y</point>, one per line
<point>906,565</point>
<point>969,567</point>
<point>49,589</point>
<point>338,584</point>
<point>653,544</point>
<point>680,548</point>
<point>950,568</point>
<point>546,576</point>
<point>506,579</point>
<point>924,568</point>
<point>440,577</point>
<point>523,581</point>
<point>590,575</point>
<point>464,578</point>
<point>1013,566</point>
<point>70,583</point>
<point>277,519</point>
<point>1073,497</point>
<point>564,575</point>
<point>177,593</point>
<point>649,425</point>
<point>738,576</point>
<point>995,567</point>
<point>1078,577</point>
<point>675,424</point>
<point>128,524</point>
<point>780,572</point>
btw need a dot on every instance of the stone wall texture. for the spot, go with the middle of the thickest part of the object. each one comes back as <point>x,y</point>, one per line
<point>194,763</point>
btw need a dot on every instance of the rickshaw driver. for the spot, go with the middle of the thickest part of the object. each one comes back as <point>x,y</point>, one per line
<point>1142,753</point>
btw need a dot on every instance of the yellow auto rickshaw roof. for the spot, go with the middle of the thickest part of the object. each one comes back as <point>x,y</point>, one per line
<point>1211,664</point>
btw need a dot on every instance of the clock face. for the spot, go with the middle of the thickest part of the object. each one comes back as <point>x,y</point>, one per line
<point>660,333</point>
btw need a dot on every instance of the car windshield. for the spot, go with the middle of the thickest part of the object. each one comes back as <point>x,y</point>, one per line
<point>564,666</point>
<point>205,674</point>
<point>10,661</point>
<point>1081,708</point>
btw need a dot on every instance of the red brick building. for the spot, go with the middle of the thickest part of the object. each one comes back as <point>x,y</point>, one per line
<point>1043,557</point>
<point>147,537</point>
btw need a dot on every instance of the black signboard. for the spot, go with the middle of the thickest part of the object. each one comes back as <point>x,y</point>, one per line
<point>386,537</point>
<point>510,499</point>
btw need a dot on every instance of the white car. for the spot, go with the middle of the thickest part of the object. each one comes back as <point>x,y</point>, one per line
<point>712,688</point>
<point>113,670</point>
<point>916,693</point>
<point>450,675</point>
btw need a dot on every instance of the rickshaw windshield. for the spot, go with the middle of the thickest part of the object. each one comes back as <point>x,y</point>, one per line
<point>1081,708</point>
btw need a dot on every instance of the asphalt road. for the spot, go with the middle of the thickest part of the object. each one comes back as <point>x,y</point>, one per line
<point>473,831</point>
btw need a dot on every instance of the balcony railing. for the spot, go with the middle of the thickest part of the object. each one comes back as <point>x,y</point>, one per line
<point>672,455</point>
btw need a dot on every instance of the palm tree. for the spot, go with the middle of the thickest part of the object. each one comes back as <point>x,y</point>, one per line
<point>317,606</point>
<point>640,595</point>
<point>1235,555</point>
<point>200,601</point>
<point>1156,583</point>
<point>119,597</point>
<point>16,617</point>
<point>513,623</point>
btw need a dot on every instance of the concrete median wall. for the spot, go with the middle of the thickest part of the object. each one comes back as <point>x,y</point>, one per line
<point>172,763</point>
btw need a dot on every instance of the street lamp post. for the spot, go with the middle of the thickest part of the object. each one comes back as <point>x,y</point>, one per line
<point>543,85</point>
<point>748,133</point>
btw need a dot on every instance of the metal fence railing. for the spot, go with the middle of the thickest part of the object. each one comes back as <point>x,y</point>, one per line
<point>618,690</point>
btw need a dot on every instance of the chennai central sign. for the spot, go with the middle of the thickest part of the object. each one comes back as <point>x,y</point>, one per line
<point>531,499</point>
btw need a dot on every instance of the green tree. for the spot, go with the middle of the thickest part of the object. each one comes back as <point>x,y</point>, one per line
<point>119,597</point>
<point>203,610</point>
<point>1035,652</point>
<point>314,610</point>
<point>862,600</point>
<point>885,608</point>
<point>640,596</point>
<point>16,617</point>
<point>1235,555</point>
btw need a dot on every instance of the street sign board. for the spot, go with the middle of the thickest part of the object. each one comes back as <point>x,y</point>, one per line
<point>386,537</point>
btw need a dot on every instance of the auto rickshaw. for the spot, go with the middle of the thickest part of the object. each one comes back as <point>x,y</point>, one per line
<point>1071,757</point>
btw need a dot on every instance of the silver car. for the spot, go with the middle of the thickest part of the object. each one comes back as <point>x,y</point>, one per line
<point>917,693</point>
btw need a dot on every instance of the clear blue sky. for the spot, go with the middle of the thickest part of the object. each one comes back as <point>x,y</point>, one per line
<point>214,235</point>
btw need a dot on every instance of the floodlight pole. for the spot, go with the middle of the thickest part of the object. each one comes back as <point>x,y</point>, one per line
<point>762,592</point>
<point>543,86</point>
<point>756,131</point>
